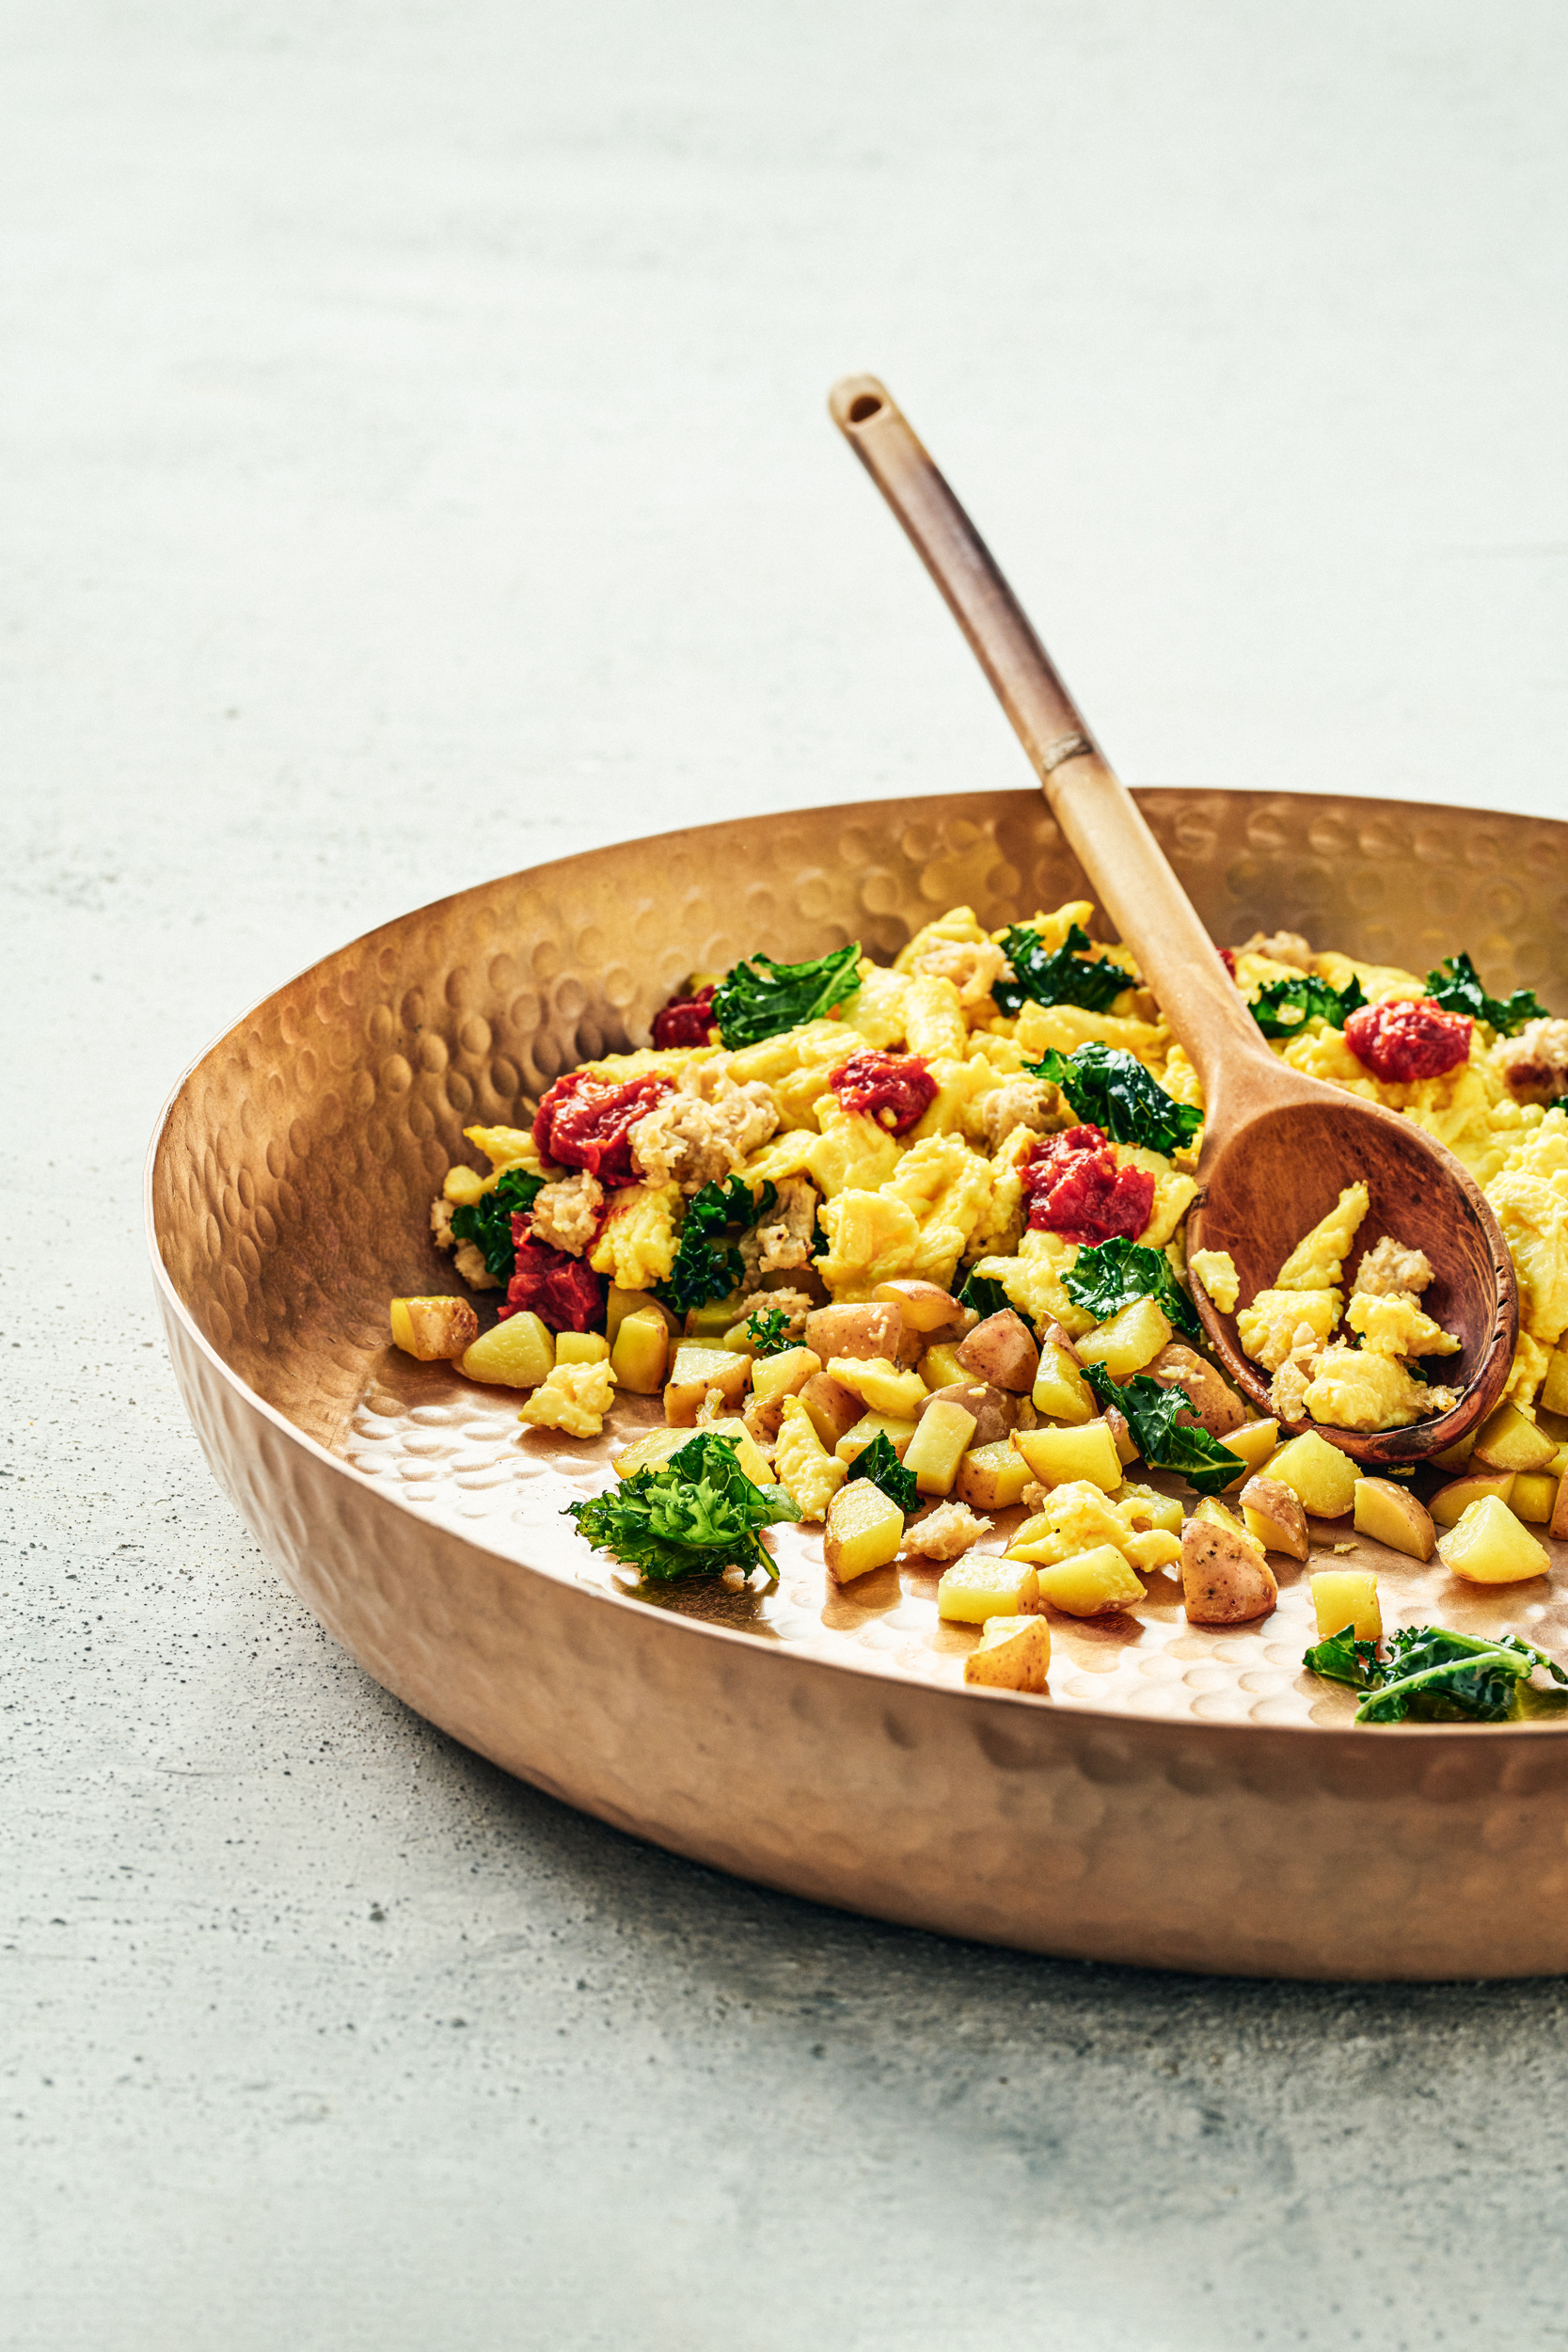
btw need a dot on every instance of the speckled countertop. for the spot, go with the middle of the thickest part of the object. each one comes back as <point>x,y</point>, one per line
<point>415,466</point>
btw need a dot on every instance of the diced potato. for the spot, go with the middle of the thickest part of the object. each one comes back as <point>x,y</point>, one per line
<point>974,1589</point>
<point>580,1347</point>
<point>1507,1442</point>
<point>940,1367</point>
<point>854,1441</point>
<point>1001,1352</point>
<point>860,1331</point>
<point>832,1411</point>
<point>784,1375</point>
<point>620,1304</point>
<point>879,1383</point>
<point>435,1331</point>
<point>1558,1530</point>
<point>708,1324</point>
<point>1451,1503</point>
<point>925,1306</point>
<point>1093,1583</point>
<point>1390,1514</point>
<point>1057,1455</point>
<point>1129,1341</point>
<point>1127,1451</point>
<point>993,1412</point>
<point>992,1477</point>
<point>1554,1388</point>
<point>1275,1516</point>
<point>1255,1441</point>
<point>1487,1545</point>
<point>808,1473</point>
<point>864,1530</point>
<point>697,1369</point>
<point>1455,1458</point>
<point>1225,1577</point>
<point>1534,1497</point>
<point>640,1354</point>
<point>659,1446</point>
<point>1012,1654</point>
<point>1215,1404</point>
<point>1145,1507</point>
<point>941,1439</point>
<point>1344,1597</point>
<point>1060,1388</point>
<point>1320,1477</point>
<point>517,1354</point>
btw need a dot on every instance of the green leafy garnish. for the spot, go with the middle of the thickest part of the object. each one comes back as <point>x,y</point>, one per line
<point>487,1222</point>
<point>1285,1006</point>
<point>707,1263</point>
<point>698,1513</point>
<point>878,1462</point>
<point>1434,1675</point>
<point>767,1328</point>
<point>1112,1090</point>
<point>1110,1274</point>
<point>1069,975</point>
<point>1456,986</point>
<point>759,998</point>
<point>1165,1443</point>
<point>985,1294</point>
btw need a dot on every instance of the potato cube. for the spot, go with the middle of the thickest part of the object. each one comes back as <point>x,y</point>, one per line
<point>517,1354</point>
<point>940,1367</point>
<point>708,1324</point>
<point>1060,1388</point>
<point>580,1347</point>
<point>434,1330</point>
<point>1554,1388</point>
<point>860,1331</point>
<point>1487,1545</point>
<point>661,1445</point>
<point>1145,1507</point>
<point>1320,1477</point>
<point>1390,1514</point>
<point>697,1369</point>
<point>865,1432</point>
<point>1057,1455</point>
<point>1274,1515</point>
<point>1507,1442</point>
<point>925,1306</point>
<point>832,1411</point>
<point>941,1439</point>
<point>784,1375</point>
<point>808,1473</point>
<point>882,1386</point>
<point>1344,1597</point>
<point>976,1588</point>
<point>1454,1458</point>
<point>1451,1503</point>
<point>1012,1654</point>
<point>1255,1441</point>
<point>1534,1497</point>
<point>1225,1577</point>
<point>1558,1530</point>
<point>640,1354</point>
<point>1001,1352</point>
<point>1097,1584</point>
<point>864,1530</point>
<point>1131,1339</point>
<point>992,1477</point>
<point>620,1304</point>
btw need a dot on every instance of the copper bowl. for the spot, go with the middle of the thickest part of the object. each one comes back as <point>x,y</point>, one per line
<point>1185,1800</point>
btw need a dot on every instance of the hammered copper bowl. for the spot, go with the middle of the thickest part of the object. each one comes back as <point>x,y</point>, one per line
<point>1214,1815</point>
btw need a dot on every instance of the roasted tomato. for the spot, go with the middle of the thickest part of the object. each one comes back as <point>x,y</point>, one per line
<point>1227,956</point>
<point>683,1021</point>
<point>565,1295</point>
<point>587,1123</point>
<point>894,1089</point>
<point>1074,1187</point>
<point>1399,1041</point>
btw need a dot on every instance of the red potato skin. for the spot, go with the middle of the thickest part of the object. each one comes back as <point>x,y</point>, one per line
<point>992,1411</point>
<point>840,1407</point>
<point>1215,1405</point>
<point>1001,1352</point>
<point>1270,1498</point>
<point>858,1332</point>
<point>1223,1579</point>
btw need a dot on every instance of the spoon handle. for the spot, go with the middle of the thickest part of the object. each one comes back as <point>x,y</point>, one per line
<point>1097,813</point>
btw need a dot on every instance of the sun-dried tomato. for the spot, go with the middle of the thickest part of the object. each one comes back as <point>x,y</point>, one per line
<point>1075,1188</point>
<point>683,1021</point>
<point>586,1122</point>
<point>1399,1041</point>
<point>1227,956</point>
<point>563,1293</point>
<point>894,1089</point>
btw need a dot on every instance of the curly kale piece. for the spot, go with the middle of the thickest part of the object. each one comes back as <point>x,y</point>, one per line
<point>1432,1675</point>
<point>487,1222</point>
<point>697,1515</point>
<point>1069,975</point>
<point>1285,1006</point>
<point>758,998</point>
<point>767,1328</point>
<point>986,1297</point>
<point>1165,1443</point>
<point>878,1462</point>
<point>1343,1658</point>
<point>1456,986</point>
<point>708,1263</point>
<point>1112,1090</point>
<point>1110,1274</point>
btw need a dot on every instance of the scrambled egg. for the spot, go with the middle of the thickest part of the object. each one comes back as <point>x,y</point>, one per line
<point>637,1242</point>
<point>1353,1388</point>
<point>917,1223</point>
<point>1267,1327</point>
<point>1216,1270</point>
<point>809,1474</point>
<point>1318,1260</point>
<point>574,1397</point>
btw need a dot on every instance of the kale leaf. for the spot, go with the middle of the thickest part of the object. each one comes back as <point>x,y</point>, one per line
<point>1112,1090</point>
<point>1456,986</point>
<point>1066,976</point>
<point>698,1513</point>
<point>1285,1006</point>
<point>985,1294</point>
<point>878,1462</point>
<point>767,1328</point>
<point>487,1221</point>
<point>1110,1274</point>
<point>1344,1659</point>
<point>707,1263</point>
<point>1434,1675</point>
<point>759,998</point>
<point>1165,1443</point>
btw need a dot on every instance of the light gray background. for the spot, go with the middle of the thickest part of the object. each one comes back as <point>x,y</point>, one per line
<point>415,465</point>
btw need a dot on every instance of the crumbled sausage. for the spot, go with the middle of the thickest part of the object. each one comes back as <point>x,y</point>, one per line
<point>701,1134</point>
<point>972,966</point>
<point>946,1531</point>
<point>1016,1103</point>
<point>1388,1268</point>
<point>565,1215</point>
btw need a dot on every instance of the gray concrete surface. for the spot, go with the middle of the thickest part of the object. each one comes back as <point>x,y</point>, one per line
<point>414,463</point>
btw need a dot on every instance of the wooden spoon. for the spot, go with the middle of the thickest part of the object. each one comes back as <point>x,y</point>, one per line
<point>1277,1147</point>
